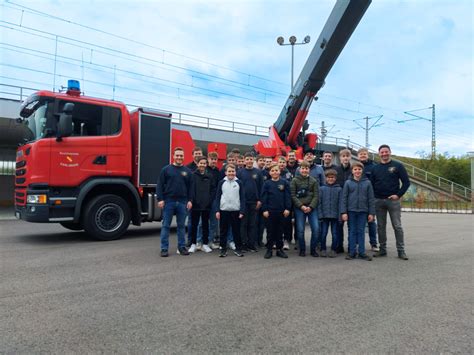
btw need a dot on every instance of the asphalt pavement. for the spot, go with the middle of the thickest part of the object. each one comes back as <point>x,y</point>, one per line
<point>62,292</point>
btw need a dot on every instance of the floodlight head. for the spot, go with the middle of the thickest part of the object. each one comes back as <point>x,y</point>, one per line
<point>280,40</point>
<point>292,39</point>
<point>307,39</point>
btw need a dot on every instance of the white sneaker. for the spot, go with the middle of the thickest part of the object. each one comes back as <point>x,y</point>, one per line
<point>198,246</point>
<point>232,245</point>
<point>192,248</point>
<point>285,245</point>
<point>215,246</point>
<point>375,248</point>
<point>205,248</point>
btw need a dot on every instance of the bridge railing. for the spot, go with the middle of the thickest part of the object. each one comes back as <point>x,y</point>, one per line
<point>215,123</point>
<point>438,181</point>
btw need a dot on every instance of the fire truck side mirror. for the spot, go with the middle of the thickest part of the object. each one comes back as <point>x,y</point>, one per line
<point>65,122</point>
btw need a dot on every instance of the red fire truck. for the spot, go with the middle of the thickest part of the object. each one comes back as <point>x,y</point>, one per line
<point>90,164</point>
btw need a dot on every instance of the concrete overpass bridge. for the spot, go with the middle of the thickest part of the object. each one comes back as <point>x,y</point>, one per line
<point>204,130</point>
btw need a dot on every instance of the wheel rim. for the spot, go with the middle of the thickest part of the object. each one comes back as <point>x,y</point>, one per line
<point>109,217</point>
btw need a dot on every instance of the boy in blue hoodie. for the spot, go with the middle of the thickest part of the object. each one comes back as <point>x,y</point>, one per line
<point>252,181</point>
<point>357,208</point>
<point>329,213</point>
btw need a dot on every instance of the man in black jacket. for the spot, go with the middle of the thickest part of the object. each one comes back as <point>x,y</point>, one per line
<point>212,168</point>
<point>386,178</point>
<point>202,197</point>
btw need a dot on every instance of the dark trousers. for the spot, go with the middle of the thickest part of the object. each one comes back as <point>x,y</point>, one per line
<point>274,224</point>
<point>230,219</point>
<point>287,228</point>
<point>248,226</point>
<point>260,228</point>
<point>195,216</point>
<point>340,236</point>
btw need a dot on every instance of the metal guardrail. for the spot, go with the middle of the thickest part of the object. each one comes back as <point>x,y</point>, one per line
<point>438,181</point>
<point>441,206</point>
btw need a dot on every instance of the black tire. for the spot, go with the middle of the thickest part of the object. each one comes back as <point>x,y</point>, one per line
<point>106,217</point>
<point>72,226</point>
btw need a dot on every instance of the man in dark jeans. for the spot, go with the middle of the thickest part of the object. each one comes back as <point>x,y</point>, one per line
<point>386,178</point>
<point>173,192</point>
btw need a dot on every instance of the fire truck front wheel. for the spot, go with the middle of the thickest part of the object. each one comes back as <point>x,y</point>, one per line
<point>106,217</point>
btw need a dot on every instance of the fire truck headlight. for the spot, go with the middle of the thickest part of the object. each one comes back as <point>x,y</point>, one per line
<point>37,199</point>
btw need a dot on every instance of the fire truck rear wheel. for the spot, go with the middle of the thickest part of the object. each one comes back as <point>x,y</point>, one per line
<point>72,226</point>
<point>106,217</point>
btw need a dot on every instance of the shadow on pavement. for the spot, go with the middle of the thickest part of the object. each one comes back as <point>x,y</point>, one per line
<point>76,237</point>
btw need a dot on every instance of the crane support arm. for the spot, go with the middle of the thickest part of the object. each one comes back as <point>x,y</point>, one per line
<point>339,27</point>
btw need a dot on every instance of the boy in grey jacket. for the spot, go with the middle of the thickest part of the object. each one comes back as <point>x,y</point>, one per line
<point>358,208</point>
<point>329,211</point>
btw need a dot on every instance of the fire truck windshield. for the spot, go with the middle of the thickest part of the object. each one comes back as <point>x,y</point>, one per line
<point>35,114</point>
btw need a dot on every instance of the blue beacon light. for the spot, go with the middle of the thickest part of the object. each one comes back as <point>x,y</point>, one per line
<point>73,87</point>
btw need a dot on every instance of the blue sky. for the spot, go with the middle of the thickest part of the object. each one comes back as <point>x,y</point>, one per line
<point>220,59</point>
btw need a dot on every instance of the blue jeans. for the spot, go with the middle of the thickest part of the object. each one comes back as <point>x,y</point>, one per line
<point>372,233</point>
<point>356,224</point>
<point>325,224</point>
<point>300,219</point>
<point>173,207</point>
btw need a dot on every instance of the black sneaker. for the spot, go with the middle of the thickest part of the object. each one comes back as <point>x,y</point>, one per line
<point>302,253</point>
<point>182,251</point>
<point>315,254</point>
<point>380,254</point>
<point>238,253</point>
<point>281,254</point>
<point>350,257</point>
<point>223,253</point>
<point>365,257</point>
<point>164,253</point>
<point>402,255</point>
<point>268,254</point>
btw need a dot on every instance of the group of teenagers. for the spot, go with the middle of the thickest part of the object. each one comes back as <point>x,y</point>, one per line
<point>229,208</point>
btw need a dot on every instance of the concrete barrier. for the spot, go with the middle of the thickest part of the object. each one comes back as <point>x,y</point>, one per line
<point>7,188</point>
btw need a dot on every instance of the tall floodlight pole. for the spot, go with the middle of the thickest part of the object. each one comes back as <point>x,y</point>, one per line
<point>433,125</point>
<point>292,40</point>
